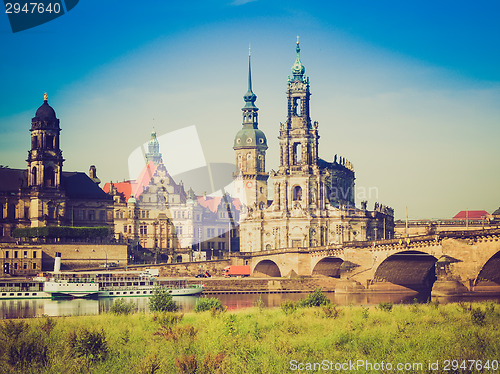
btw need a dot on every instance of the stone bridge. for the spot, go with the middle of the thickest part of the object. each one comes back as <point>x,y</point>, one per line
<point>451,263</point>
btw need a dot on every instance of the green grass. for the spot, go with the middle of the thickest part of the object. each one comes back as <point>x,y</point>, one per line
<point>253,340</point>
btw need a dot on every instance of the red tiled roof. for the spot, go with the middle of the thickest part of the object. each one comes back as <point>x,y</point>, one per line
<point>471,214</point>
<point>144,178</point>
<point>124,188</point>
<point>209,202</point>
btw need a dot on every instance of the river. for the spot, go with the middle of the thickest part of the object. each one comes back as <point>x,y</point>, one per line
<point>29,308</point>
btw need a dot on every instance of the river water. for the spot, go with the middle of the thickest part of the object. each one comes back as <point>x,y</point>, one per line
<point>30,308</point>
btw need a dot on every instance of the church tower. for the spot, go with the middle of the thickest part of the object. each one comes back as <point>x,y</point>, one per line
<point>45,163</point>
<point>250,145</point>
<point>153,153</point>
<point>45,157</point>
<point>298,183</point>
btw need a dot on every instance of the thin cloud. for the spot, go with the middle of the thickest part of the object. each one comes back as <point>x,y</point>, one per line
<point>241,2</point>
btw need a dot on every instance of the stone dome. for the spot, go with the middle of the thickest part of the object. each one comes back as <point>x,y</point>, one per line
<point>250,137</point>
<point>45,112</point>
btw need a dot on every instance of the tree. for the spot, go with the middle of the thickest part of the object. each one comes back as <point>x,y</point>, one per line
<point>161,301</point>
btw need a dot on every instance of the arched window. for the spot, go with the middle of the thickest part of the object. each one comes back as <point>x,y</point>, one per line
<point>297,193</point>
<point>298,106</point>
<point>297,153</point>
<point>34,175</point>
<point>49,177</point>
<point>34,142</point>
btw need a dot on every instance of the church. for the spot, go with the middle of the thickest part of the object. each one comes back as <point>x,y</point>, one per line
<point>314,199</point>
<point>44,194</point>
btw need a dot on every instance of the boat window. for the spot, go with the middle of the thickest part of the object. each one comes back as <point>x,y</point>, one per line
<point>4,294</point>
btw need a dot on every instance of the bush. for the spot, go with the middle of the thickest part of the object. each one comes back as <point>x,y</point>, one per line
<point>120,306</point>
<point>212,303</point>
<point>161,301</point>
<point>288,307</point>
<point>22,346</point>
<point>317,298</point>
<point>385,306</point>
<point>331,311</point>
<point>62,232</point>
<point>478,316</point>
<point>168,318</point>
<point>91,345</point>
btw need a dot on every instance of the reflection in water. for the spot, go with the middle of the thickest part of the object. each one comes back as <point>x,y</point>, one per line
<point>38,307</point>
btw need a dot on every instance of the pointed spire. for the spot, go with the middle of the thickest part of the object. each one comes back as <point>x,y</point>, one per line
<point>298,70</point>
<point>249,97</point>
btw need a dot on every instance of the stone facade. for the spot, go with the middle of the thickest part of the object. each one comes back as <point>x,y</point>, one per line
<point>156,213</point>
<point>44,194</point>
<point>313,202</point>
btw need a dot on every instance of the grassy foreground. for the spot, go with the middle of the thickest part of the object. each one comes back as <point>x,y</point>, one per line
<point>256,340</point>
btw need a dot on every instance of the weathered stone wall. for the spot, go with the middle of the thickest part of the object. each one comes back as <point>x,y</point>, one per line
<point>269,284</point>
<point>76,256</point>
<point>188,269</point>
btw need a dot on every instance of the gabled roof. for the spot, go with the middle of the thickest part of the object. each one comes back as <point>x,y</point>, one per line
<point>78,185</point>
<point>11,180</point>
<point>497,212</point>
<point>471,214</point>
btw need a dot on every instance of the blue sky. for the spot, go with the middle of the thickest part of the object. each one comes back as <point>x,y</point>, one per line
<point>408,91</point>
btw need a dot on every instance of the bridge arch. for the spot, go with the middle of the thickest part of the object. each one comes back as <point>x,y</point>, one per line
<point>410,269</point>
<point>266,268</point>
<point>328,266</point>
<point>490,272</point>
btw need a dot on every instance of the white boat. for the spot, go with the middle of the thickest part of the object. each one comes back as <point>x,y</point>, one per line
<point>22,289</point>
<point>113,284</point>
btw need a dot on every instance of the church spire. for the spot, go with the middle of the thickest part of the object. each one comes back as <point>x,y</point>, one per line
<point>249,97</point>
<point>298,70</point>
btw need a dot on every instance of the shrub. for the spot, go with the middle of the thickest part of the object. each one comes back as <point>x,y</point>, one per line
<point>186,364</point>
<point>120,306</point>
<point>288,307</point>
<point>317,298</point>
<point>478,316</point>
<point>91,345</point>
<point>331,311</point>
<point>211,303</point>
<point>161,301</point>
<point>150,365</point>
<point>385,306</point>
<point>168,318</point>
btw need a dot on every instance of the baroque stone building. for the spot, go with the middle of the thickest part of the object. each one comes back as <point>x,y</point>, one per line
<point>44,194</point>
<point>156,213</point>
<point>314,200</point>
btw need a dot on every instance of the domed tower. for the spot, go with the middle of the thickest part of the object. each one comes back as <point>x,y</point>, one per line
<point>153,153</point>
<point>250,145</point>
<point>45,161</point>
<point>45,157</point>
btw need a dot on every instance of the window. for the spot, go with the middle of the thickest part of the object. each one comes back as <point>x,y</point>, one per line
<point>34,265</point>
<point>297,153</point>
<point>25,254</point>
<point>222,233</point>
<point>15,254</point>
<point>34,254</point>
<point>143,229</point>
<point>6,254</point>
<point>15,265</point>
<point>25,266</point>
<point>178,230</point>
<point>81,215</point>
<point>297,193</point>
<point>210,233</point>
<point>92,215</point>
